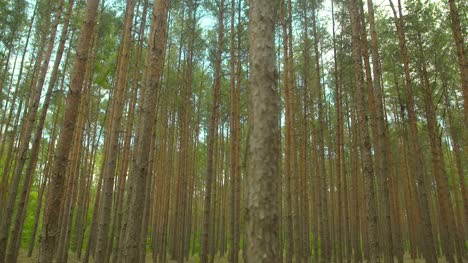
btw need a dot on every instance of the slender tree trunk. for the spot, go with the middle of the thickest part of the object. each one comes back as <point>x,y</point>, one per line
<point>462,60</point>
<point>235,141</point>
<point>427,241</point>
<point>412,206</point>
<point>46,173</point>
<point>28,126</point>
<point>113,131</point>
<point>151,86</point>
<point>121,207</point>
<point>22,205</point>
<point>365,145</point>
<point>355,207</point>
<point>179,223</point>
<point>3,135</point>
<point>463,64</point>
<point>447,225</point>
<point>458,188</point>
<point>72,177</point>
<point>339,163</point>
<point>239,73</point>
<point>56,190</point>
<point>83,193</point>
<point>290,242</point>
<point>90,248</point>
<point>382,150</point>
<point>212,136</point>
<point>304,142</point>
<point>323,198</point>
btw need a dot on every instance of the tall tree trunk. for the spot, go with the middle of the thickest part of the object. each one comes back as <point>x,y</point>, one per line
<point>85,177</point>
<point>34,155</point>
<point>179,223</point>
<point>290,242</point>
<point>427,241</point>
<point>263,241</point>
<point>406,169</point>
<point>6,123</point>
<point>56,190</point>
<point>382,150</point>
<point>212,136</point>
<point>459,189</point>
<point>355,206</point>
<point>73,174</point>
<point>28,126</point>
<point>447,225</point>
<point>340,174</point>
<point>235,141</point>
<point>304,142</point>
<point>462,60</point>
<point>151,87</point>
<point>45,175</point>
<point>120,207</point>
<point>323,190</point>
<point>113,131</point>
<point>365,145</point>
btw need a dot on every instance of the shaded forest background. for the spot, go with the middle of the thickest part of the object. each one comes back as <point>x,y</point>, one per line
<point>124,130</point>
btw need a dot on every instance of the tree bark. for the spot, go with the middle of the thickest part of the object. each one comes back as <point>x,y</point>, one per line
<point>113,131</point>
<point>235,141</point>
<point>56,189</point>
<point>151,87</point>
<point>365,145</point>
<point>461,55</point>
<point>263,241</point>
<point>427,241</point>
<point>212,137</point>
<point>382,150</point>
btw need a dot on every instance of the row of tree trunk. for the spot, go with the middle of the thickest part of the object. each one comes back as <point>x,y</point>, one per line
<point>173,170</point>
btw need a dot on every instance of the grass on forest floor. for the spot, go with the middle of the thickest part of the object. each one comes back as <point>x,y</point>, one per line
<point>23,257</point>
<point>72,259</point>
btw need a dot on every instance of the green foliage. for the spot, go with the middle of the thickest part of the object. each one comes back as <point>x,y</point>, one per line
<point>29,220</point>
<point>13,16</point>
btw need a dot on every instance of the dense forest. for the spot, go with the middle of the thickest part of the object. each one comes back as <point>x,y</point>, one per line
<point>233,131</point>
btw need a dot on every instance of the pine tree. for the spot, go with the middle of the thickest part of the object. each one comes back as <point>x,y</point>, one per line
<point>57,187</point>
<point>263,210</point>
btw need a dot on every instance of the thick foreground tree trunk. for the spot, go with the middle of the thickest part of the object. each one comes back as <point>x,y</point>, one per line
<point>263,237</point>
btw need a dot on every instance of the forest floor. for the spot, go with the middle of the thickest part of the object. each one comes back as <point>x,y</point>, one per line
<point>72,259</point>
